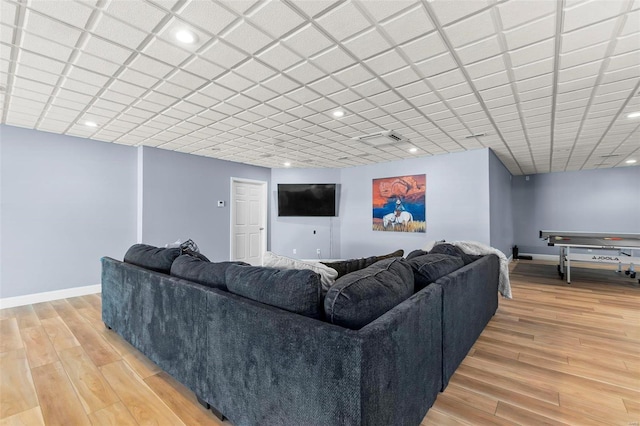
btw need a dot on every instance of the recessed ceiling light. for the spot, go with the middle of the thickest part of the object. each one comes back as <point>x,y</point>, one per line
<point>287,164</point>
<point>338,113</point>
<point>91,124</point>
<point>413,150</point>
<point>631,161</point>
<point>186,36</point>
<point>634,114</point>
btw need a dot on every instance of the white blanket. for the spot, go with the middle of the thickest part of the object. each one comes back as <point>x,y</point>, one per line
<point>476,248</point>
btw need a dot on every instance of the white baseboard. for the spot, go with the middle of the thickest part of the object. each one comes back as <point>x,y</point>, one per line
<point>541,256</point>
<point>28,299</point>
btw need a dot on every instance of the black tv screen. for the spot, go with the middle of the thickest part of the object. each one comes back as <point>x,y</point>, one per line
<point>306,199</point>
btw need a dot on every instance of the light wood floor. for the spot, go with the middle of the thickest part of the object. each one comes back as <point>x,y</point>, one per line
<point>555,354</point>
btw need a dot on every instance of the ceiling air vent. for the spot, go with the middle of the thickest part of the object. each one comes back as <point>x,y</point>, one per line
<point>386,137</point>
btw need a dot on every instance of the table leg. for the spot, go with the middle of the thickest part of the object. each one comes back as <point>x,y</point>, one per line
<point>568,265</point>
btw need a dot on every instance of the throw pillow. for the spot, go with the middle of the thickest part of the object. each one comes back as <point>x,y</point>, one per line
<point>202,272</point>
<point>360,297</point>
<point>294,290</point>
<point>327,275</point>
<point>430,267</point>
<point>345,267</point>
<point>416,253</point>
<point>451,250</point>
<point>157,259</point>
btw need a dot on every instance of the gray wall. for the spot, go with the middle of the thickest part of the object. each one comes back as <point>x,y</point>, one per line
<point>601,200</point>
<point>180,194</point>
<point>65,202</point>
<point>457,203</point>
<point>289,233</point>
<point>501,218</point>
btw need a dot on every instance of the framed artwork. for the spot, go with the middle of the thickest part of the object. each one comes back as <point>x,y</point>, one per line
<point>399,204</point>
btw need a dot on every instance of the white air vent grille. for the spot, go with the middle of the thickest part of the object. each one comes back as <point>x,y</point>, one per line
<point>386,137</point>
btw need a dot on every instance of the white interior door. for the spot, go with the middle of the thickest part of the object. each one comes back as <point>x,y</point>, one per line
<point>248,220</point>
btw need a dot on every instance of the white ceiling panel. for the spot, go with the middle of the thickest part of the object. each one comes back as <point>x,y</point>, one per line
<point>262,79</point>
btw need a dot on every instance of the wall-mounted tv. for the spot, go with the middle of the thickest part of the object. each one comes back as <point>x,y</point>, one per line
<point>306,199</point>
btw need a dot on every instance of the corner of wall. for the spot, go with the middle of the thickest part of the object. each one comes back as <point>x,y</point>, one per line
<point>140,191</point>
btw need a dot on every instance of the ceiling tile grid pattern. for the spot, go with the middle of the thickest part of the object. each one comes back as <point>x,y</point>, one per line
<point>546,84</point>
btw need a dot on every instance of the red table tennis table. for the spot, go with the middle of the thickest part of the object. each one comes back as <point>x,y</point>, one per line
<point>623,243</point>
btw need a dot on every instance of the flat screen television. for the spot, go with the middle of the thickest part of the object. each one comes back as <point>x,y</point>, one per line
<point>306,199</point>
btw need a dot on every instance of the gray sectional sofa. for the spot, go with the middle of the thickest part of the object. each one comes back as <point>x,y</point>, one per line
<point>260,364</point>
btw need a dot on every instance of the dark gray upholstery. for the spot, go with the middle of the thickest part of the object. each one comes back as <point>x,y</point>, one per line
<point>260,365</point>
<point>430,267</point>
<point>416,253</point>
<point>358,298</point>
<point>157,259</point>
<point>451,250</point>
<point>345,267</point>
<point>211,274</point>
<point>294,290</point>
<point>469,300</point>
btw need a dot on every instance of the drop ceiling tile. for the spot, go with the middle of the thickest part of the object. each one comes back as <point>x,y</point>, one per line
<point>165,52</point>
<point>401,77</point>
<point>254,71</point>
<point>73,96</point>
<point>471,29</point>
<point>621,74</point>
<point>425,47</point>
<point>242,101</point>
<point>279,57</point>
<point>119,32</point>
<point>481,50</point>
<point>370,87</point>
<point>172,89</point>
<point>45,47</point>
<point>307,42</point>
<point>80,87</point>
<point>332,60</point>
<point>532,53</point>
<point>276,18</point>
<point>593,34</point>
<point>534,69</point>
<point>409,25</point>
<point>486,67</point>
<point>438,65</point>
<point>535,82</point>
<point>203,68</point>
<point>246,37</point>
<point>582,56</point>
<point>326,86</point>
<point>305,73</point>
<point>138,14</point>
<point>186,79</point>
<point>516,13</point>
<point>343,21</point>
<point>234,81</point>
<point>625,61</point>
<point>93,63</point>
<point>447,12</point>
<point>87,77</point>
<point>132,76</point>
<point>37,75</point>
<point>223,54</point>
<point>52,30</point>
<point>28,94</point>
<point>344,97</point>
<point>207,15</point>
<point>72,13</point>
<point>426,99</point>
<point>588,12</point>
<point>160,98</point>
<point>282,104</point>
<point>531,33</point>
<point>260,93</point>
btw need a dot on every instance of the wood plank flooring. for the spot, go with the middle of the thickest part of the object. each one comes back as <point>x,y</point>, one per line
<point>555,354</point>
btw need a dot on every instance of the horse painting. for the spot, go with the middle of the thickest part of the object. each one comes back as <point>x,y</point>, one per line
<point>399,204</point>
<point>397,218</point>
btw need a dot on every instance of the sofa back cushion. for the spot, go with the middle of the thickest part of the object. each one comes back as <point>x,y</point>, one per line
<point>345,267</point>
<point>157,259</point>
<point>211,274</point>
<point>429,267</point>
<point>358,298</point>
<point>327,275</point>
<point>294,290</point>
<point>451,250</point>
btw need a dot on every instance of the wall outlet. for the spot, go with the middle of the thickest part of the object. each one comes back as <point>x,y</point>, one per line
<point>220,203</point>
<point>317,251</point>
<point>295,251</point>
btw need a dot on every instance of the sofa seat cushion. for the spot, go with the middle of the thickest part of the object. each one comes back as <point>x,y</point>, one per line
<point>294,290</point>
<point>429,267</point>
<point>157,259</point>
<point>360,297</point>
<point>451,250</point>
<point>211,274</point>
<point>344,267</point>
<point>327,275</point>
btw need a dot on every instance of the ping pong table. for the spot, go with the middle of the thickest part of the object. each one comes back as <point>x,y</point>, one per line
<point>623,243</point>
